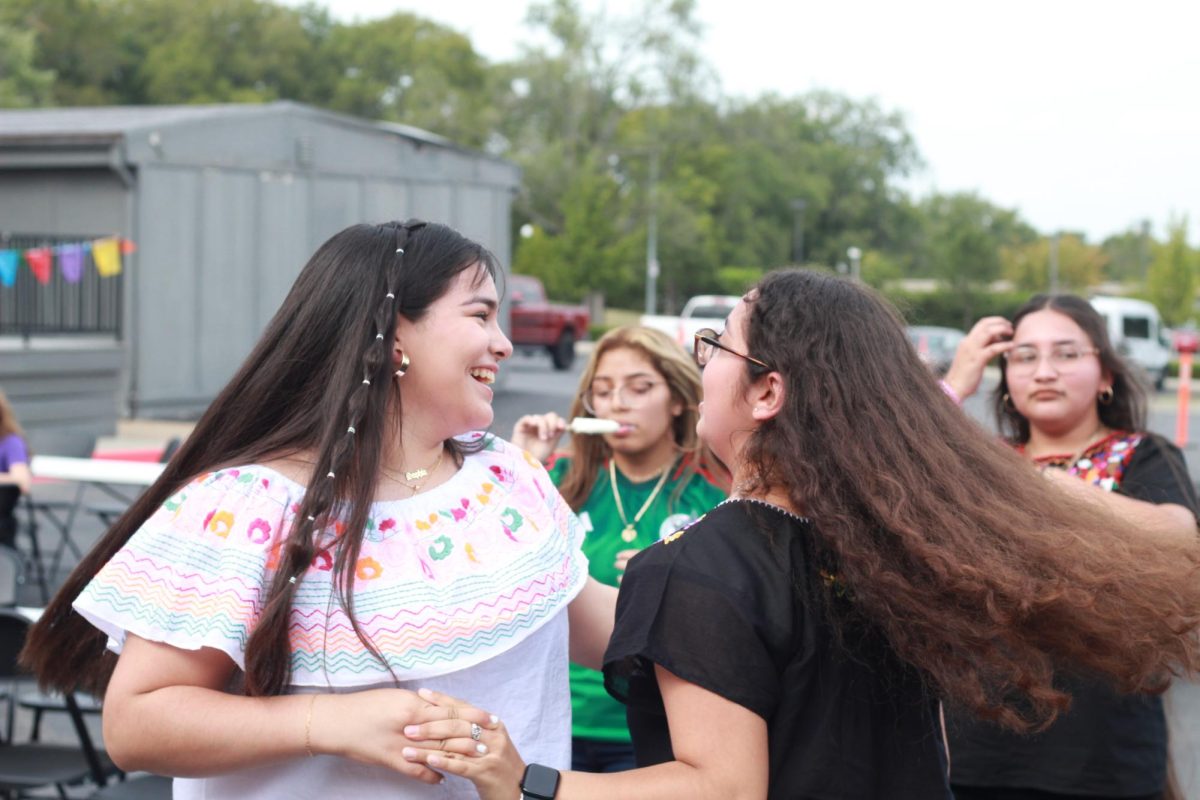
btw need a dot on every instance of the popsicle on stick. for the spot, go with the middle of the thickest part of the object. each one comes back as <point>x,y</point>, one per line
<point>591,425</point>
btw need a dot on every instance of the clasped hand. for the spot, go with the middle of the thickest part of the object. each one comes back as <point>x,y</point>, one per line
<point>415,734</point>
<point>458,739</point>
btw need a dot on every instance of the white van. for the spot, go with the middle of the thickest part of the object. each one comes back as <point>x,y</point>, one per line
<point>1136,330</point>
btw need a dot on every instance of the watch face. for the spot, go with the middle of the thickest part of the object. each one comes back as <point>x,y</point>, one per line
<point>540,782</point>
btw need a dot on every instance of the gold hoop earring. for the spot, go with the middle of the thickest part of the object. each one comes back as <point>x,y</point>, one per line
<point>403,365</point>
<point>1106,396</point>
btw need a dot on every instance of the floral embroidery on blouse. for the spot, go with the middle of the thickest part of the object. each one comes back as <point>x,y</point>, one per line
<point>1103,463</point>
<point>444,580</point>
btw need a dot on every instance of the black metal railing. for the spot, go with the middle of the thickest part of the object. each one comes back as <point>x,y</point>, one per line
<point>91,305</point>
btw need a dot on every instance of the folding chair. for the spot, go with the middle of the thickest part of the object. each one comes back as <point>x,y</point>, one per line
<point>36,765</point>
<point>12,576</point>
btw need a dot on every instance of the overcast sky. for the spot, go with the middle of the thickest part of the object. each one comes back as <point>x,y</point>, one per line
<point>1083,115</point>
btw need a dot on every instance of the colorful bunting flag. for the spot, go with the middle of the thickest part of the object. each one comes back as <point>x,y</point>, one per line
<point>39,259</point>
<point>106,253</point>
<point>8,267</point>
<point>70,262</point>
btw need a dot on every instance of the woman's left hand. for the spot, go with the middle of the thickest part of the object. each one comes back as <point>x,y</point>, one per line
<point>489,760</point>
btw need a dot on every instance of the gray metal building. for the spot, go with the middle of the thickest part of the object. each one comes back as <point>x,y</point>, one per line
<point>225,203</point>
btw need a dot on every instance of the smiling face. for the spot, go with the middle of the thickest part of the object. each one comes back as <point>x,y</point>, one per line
<point>455,350</point>
<point>1055,397</point>
<point>627,388</point>
<point>725,416</point>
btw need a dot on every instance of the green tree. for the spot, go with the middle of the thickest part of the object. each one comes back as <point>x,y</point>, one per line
<point>1171,283</point>
<point>590,251</point>
<point>1080,265</point>
<point>22,84</point>
<point>80,41</point>
<point>964,237</point>
<point>407,69</point>
<point>1129,254</point>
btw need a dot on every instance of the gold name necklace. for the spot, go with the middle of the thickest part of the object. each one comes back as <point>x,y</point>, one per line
<point>629,532</point>
<point>420,475</point>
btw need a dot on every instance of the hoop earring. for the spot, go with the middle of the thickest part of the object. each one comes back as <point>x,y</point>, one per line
<point>1105,396</point>
<point>404,362</point>
<point>1007,401</point>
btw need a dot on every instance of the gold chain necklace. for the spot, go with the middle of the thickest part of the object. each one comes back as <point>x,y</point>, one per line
<point>629,532</point>
<point>416,474</point>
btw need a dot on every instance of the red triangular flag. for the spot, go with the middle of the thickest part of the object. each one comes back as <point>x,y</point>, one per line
<point>39,259</point>
<point>128,247</point>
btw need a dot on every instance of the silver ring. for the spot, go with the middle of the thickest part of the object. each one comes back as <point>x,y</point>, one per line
<point>476,731</point>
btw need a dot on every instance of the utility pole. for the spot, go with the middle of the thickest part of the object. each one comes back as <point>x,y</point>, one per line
<point>652,237</point>
<point>1144,250</point>
<point>1054,264</point>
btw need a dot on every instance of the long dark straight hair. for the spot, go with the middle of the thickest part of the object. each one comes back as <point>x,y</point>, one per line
<point>322,366</point>
<point>1126,411</point>
<point>976,569</point>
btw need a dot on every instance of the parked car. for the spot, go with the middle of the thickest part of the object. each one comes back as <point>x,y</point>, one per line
<point>702,311</point>
<point>1136,330</point>
<point>536,323</point>
<point>935,346</point>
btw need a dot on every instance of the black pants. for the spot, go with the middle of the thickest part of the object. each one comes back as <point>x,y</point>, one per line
<point>8,531</point>
<point>1004,793</point>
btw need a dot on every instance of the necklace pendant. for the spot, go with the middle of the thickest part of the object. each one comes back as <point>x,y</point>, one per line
<point>628,534</point>
<point>416,475</point>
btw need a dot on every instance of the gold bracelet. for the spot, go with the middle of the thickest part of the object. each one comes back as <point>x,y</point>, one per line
<point>308,726</point>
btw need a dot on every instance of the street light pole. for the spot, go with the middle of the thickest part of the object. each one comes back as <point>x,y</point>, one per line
<point>652,238</point>
<point>1054,264</point>
<point>798,206</point>
<point>855,256</point>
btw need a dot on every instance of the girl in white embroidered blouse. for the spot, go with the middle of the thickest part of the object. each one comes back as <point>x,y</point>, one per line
<point>335,535</point>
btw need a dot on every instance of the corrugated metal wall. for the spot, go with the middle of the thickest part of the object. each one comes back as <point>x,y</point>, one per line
<point>225,211</point>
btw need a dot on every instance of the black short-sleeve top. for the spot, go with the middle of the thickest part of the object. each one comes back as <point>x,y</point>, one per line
<point>739,604</point>
<point>1107,744</point>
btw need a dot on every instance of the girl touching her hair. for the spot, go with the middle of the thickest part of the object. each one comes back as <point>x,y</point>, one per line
<point>1068,404</point>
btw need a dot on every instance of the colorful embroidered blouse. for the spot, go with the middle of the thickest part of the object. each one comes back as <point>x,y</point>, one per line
<point>1103,463</point>
<point>445,580</point>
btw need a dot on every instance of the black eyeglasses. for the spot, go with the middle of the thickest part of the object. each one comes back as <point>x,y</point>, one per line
<point>707,345</point>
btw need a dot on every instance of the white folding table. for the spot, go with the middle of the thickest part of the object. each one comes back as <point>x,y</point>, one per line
<point>103,474</point>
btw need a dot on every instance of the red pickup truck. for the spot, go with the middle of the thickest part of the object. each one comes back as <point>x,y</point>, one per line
<point>537,323</point>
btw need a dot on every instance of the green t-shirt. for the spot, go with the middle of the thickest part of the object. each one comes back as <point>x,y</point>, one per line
<point>595,715</point>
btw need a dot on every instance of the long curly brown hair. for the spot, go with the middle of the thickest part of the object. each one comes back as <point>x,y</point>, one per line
<point>978,571</point>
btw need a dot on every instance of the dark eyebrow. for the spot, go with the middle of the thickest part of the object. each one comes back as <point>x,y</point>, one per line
<point>631,376</point>
<point>486,301</point>
<point>1057,343</point>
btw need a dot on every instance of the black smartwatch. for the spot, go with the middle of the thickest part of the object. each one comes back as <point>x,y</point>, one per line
<point>539,783</point>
